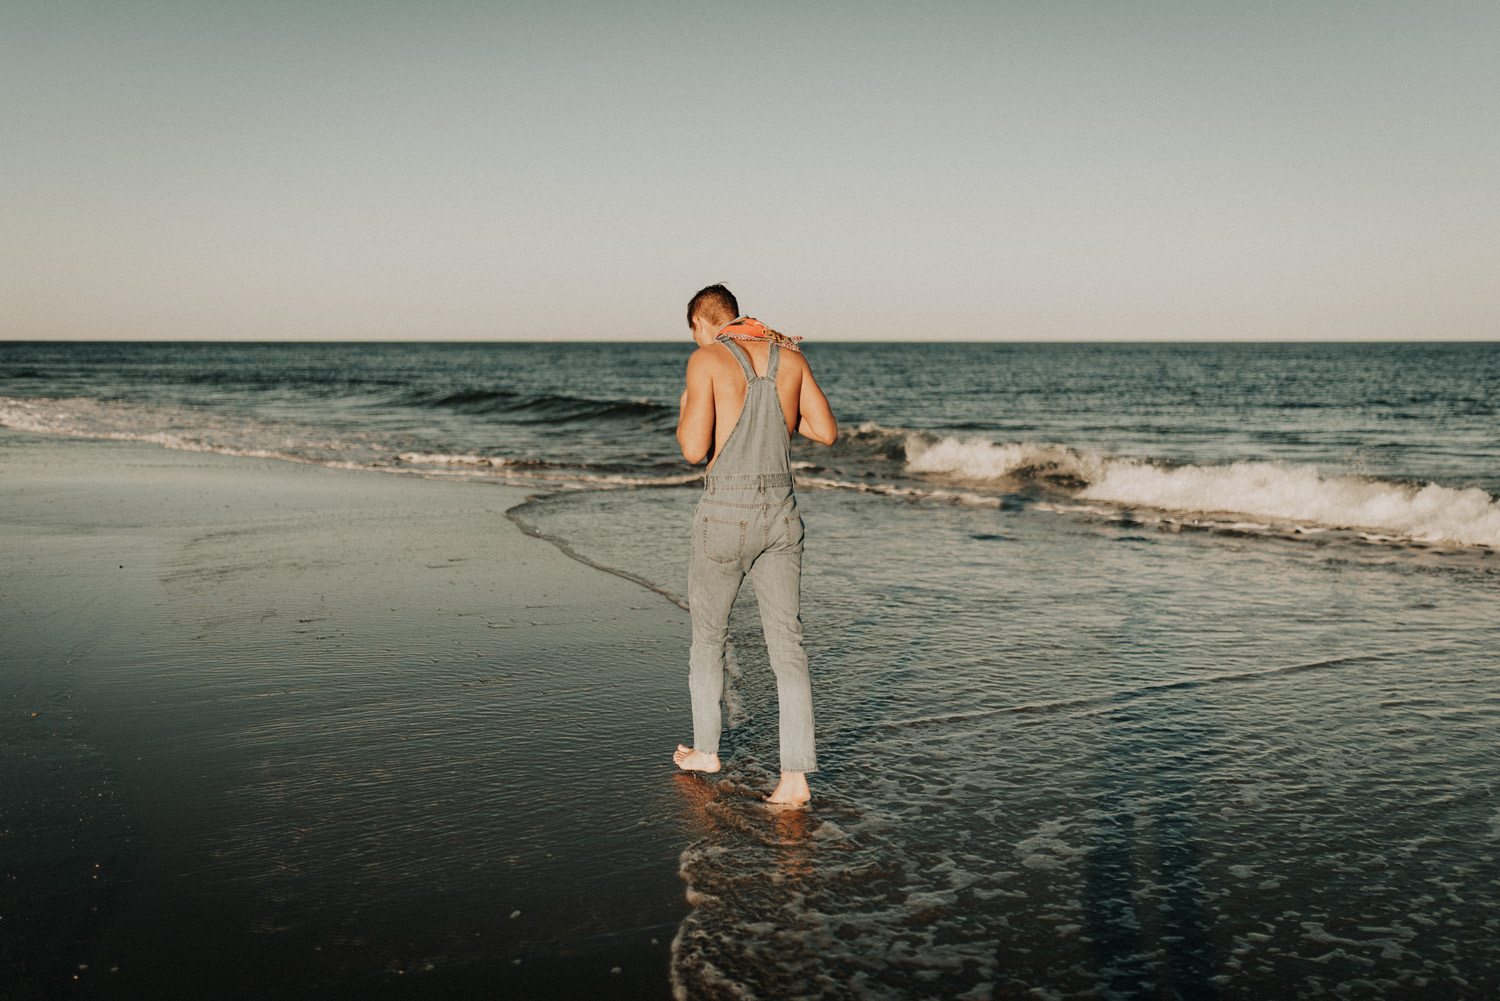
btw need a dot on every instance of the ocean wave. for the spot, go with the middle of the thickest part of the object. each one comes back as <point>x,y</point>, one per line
<point>547,408</point>
<point>478,398</point>
<point>978,460</point>
<point>179,429</point>
<point>1422,512</point>
<point>901,463</point>
<point>1287,492</point>
<point>197,430</point>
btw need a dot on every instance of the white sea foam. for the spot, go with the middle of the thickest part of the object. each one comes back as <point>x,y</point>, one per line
<point>984,460</point>
<point>1287,492</point>
<point>1301,493</point>
<point>440,459</point>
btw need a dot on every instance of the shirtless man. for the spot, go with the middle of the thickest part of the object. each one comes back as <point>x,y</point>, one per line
<point>748,388</point>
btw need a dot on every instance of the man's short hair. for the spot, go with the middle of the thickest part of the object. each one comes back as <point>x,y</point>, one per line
<point>715,298</point>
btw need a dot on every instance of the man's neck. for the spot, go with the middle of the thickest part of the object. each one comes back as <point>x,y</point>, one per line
<point>706,331</point>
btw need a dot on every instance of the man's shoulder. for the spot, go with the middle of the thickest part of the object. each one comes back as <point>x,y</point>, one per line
<point>711,354</point>
<point>795,363</point>
<point>707,360</point>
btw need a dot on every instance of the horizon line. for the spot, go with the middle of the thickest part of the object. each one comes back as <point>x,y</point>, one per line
<point>686,341</point>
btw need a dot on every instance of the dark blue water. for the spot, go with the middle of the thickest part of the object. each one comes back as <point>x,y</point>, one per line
<point>1140,670</point>
<point>1065,415</point>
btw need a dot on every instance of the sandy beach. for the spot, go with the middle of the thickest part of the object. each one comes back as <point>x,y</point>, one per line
<point>282,730</point>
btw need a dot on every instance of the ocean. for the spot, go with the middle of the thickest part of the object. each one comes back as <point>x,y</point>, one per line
<point>1141,670</point>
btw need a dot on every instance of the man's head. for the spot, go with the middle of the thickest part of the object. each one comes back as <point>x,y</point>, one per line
<point>711,308</point>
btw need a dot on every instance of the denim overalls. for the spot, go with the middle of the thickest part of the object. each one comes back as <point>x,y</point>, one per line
<point>747,522</point>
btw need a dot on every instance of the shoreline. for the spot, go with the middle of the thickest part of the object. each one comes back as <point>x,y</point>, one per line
<point>282,728</point>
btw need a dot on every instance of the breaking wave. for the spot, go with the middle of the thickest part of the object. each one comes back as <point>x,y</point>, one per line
<point>1290,492</point>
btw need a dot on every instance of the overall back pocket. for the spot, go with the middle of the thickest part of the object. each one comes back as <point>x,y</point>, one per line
<point>722,541</point>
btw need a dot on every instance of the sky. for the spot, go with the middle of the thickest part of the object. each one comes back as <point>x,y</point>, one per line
<point>1042,170</point>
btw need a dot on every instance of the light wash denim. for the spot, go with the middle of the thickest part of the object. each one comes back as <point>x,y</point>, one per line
<point>747,523</point>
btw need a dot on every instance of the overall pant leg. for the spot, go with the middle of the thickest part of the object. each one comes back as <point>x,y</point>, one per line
<point>777,575</point>
<point>712,586</point>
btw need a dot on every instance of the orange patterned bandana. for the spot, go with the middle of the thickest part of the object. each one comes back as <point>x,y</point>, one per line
<point>749,329</point>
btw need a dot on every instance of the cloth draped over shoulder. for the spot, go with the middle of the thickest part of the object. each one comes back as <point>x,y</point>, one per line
<point>747,328</point>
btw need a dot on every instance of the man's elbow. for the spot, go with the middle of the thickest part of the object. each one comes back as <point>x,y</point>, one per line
<point>693,452</point>
<point>822,435</point>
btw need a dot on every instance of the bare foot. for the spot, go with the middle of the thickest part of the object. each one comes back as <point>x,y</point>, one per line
<point>791,791</point>
<point>690,760</point>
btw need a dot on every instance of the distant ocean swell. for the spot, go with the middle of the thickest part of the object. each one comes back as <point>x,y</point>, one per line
<point>543,409</point>
<point>901,463</point>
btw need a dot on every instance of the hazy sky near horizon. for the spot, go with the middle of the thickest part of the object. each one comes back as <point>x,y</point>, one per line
<point>309,170</point>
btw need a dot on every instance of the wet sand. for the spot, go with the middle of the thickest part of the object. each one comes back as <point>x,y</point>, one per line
<point>284,731</point>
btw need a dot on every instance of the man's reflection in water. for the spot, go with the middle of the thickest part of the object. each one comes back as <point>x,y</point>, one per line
<point>766,837</point>
<point>753,882</point>
<point>793,827</point>
<point>1143,883</point>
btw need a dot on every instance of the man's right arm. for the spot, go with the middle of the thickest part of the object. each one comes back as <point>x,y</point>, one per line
<point>695,421</point>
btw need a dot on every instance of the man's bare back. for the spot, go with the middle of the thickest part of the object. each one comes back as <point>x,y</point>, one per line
<point>716,392</point>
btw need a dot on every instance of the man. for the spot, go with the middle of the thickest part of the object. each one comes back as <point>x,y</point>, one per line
<point>748,388</point>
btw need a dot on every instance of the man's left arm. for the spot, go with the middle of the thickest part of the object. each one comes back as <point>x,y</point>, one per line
<point>815,416</point>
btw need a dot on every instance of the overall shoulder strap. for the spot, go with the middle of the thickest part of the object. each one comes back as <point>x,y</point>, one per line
<point>774,362</point>
<point>739,356</point>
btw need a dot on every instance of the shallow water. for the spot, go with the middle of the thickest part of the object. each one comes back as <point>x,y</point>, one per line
<point>1116,762</point>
